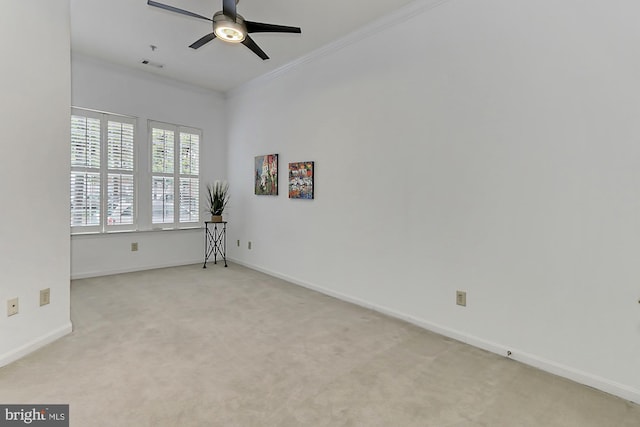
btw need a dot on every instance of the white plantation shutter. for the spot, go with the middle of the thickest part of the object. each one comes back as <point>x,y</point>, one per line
<point>162,180</point>
<point>189,154</point>
<point>162,200</point>
<point>189,196</point>
<point>162,146</point>
<point>175,170</point>
<point>120,145</point>
<point>85,142</point>
<point>102,172</point>
<point>86,133</point>
<point>120,199</point>
<point>85,199</point>
<point>120,178</point>
<point>189,179</point>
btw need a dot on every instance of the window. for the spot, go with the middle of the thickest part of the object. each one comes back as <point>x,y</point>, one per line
<point>102,172</point>
<point>175,180</point>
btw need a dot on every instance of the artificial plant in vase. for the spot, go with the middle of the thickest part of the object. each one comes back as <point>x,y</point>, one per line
<point>217,199</point>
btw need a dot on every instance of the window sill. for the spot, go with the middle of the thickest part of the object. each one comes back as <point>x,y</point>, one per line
<point>112,233</point>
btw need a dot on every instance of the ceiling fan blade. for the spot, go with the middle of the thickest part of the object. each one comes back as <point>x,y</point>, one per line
<point>175,9</point>
<point>259,27</point>
<point>248,42</point>
<point>202,41</point>
<point>229,8</point>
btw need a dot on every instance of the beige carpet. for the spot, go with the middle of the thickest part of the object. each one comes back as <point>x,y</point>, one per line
<point>233,347</point>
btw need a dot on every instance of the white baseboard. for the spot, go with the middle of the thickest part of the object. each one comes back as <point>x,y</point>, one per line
<point>35,344</point>
<point>621,390</point>
<point>109,272</point>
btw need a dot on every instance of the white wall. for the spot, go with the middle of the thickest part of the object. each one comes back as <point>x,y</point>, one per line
<point>34,171</point>
<point>486,146</point>
<point>106,87</point>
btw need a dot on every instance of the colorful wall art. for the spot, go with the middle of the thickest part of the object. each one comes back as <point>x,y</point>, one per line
<point>266,175</point>
<point>301,180</point>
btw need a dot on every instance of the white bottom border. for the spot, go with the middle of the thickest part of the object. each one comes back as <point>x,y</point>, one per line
<point>621,390</point>
<point>35,344</point>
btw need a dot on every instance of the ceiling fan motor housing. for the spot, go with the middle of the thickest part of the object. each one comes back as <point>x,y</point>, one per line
<point>229,30</point>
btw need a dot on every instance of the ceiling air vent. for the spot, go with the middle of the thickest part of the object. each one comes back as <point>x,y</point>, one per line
<point>153,64</point>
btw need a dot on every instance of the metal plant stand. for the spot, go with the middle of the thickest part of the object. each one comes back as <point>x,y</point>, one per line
<point>215,241</point>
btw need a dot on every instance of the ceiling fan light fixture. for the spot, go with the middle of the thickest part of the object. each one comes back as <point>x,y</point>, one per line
<point>228,30</point>
<point>230,34</point>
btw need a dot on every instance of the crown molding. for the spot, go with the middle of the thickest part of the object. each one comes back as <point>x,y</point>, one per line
<point>397,17</point>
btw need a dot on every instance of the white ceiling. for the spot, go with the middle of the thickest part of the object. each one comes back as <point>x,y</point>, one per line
<point>121,32</point>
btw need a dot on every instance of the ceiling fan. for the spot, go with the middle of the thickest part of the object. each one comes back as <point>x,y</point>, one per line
<point>231,27</point>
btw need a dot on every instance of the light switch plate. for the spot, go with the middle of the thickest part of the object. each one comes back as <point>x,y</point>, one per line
<point>461,298</point>
<point>45,296</point>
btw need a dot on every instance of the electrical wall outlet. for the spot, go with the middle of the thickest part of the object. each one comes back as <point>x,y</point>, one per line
<point>12,307</point>
<point>249,245</point>
<point>134,246</point>
<point>461,298</point>
<point>45,296</point>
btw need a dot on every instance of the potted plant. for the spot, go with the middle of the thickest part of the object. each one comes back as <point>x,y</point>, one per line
<point>217,199</point>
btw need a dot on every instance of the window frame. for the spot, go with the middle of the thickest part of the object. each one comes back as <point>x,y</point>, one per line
<point>104,171</point>
<point>176,174</point>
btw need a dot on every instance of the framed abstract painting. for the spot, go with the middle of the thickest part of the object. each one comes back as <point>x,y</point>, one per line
<point>266,175</point>
<point>301,180</point>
